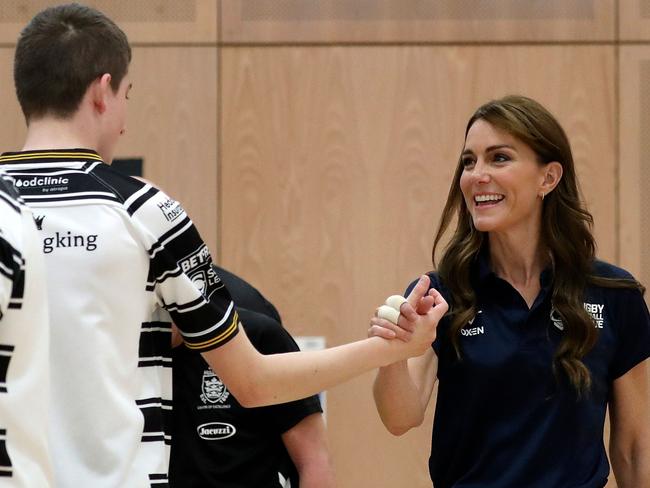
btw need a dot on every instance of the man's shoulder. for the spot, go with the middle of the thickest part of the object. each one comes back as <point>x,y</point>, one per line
<point>120,184</point>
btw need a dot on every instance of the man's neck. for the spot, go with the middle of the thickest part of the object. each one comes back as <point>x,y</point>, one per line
<point>54,133</point>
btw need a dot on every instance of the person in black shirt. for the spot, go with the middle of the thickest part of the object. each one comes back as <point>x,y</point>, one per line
<point>217,442</point>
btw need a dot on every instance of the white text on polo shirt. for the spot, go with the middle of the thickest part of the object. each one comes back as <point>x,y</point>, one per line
<point>596,312</point>
<point>473,332</point>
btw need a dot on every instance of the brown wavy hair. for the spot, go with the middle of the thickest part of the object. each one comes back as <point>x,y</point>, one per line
<point>566,233</point>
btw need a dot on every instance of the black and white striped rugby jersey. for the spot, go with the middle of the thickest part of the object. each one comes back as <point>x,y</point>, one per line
<point>120,255</point>
<point>24,347</point>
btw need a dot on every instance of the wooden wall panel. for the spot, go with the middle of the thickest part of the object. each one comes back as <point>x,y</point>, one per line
<point>144,21</point>
<point>13,129</point>
<point>634,20</point>
<point>382,21</point>
<point>335,166</point>
<point>634,79</point>
<point>634,172</point>
<point>172,123</point>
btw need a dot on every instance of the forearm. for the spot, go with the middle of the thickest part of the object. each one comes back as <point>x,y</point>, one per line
<point>298,375</point>
<point>307,445</point>
<point>632,470</point>
<point>258,380</point>
<point>317,473</point>
<point>398,398</point>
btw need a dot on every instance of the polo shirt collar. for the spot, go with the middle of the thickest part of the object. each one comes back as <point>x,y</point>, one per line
<point>482,272</point>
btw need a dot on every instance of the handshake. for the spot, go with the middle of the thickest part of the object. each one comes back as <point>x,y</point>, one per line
<point>412,320</point>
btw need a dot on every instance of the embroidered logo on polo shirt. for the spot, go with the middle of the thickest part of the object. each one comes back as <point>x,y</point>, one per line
<point>556,319</point>
<point>473,331</point>
<point>594,309</point>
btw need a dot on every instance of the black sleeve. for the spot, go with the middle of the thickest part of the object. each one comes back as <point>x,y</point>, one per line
<point>246,295</point>
<point>269,337</point>
<point>633,330</point>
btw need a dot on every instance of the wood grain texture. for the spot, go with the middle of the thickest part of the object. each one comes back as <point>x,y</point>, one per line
<point>172,123</point>
<point>143,21</point>
<point>335,167</point>
<point>634,20</point>
<point>381,21</point>
<point>14,129</point>
<point>634,77</point>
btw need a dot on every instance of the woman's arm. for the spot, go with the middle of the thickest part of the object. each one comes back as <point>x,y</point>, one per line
<point>629,410</point>
<point>402,391</point>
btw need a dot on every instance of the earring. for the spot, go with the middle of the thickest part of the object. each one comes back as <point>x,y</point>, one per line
<point>543,196</point>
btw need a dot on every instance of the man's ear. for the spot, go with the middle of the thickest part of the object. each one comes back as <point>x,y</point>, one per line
<point>552,176</point>
<point>99,90</point>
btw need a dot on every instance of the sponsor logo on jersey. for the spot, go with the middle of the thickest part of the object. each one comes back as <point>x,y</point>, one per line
<point>171,209</point>
<point>213,389</point>
<point>215,431</point>
<point>41,181</point>
<point>38,220</point>
<point>68,240</point>
<point>198,267</point>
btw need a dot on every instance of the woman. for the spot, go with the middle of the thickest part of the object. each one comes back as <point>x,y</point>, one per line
<point>540,337</point>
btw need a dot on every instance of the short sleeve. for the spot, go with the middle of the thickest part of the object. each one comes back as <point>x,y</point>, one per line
<point>633,329</point>
<point>11,229</point>
<point>269,337</point>
<point>181,272</point>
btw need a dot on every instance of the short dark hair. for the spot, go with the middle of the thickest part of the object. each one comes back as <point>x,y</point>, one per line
<point>59,54</point>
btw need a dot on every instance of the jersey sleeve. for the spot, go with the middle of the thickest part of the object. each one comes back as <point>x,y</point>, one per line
<point>633,328</point>
<point>181,273</point>
<point>11,260</point>
<point>269,337</point>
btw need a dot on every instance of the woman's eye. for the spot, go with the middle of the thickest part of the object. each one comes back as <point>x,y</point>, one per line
<point>467,162</point>
<point>500,158</point>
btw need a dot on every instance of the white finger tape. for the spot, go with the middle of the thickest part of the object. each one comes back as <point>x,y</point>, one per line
<point>388,313</point>
<point>395,301</point>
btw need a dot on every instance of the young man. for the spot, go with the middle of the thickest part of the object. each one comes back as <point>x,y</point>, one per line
<point>218,443</point>
<point>24,347</point>
<point>120,252</point>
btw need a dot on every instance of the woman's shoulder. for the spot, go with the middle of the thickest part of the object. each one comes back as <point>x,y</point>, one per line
<point>603,269</point>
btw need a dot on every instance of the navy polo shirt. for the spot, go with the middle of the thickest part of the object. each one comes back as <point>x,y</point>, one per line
<point>503,419</point>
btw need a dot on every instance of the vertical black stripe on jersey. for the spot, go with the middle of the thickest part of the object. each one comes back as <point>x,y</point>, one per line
<point>9,259</point>
<point>155,344</point>
<point>156,421</point>
<point>18,290</point>
<point>159,480</point>
<point>6,469</point>
<point>6,352</point>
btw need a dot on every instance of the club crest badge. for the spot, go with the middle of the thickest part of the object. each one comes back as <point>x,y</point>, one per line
<point>556,319</point>
<point>213,389</point>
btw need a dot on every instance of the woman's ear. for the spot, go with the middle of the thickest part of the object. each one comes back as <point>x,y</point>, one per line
<point>552,176</point>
